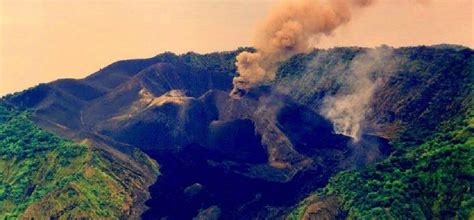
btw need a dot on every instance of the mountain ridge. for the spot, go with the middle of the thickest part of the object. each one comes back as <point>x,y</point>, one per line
<point>170,104</point>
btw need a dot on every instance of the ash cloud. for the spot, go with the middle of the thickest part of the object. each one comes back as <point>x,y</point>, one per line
<point>290,29</point>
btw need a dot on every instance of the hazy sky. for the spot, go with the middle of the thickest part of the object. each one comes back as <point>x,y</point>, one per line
<point>43,40</point>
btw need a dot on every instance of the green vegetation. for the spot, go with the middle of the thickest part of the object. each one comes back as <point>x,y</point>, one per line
<point>430,173</point>
<point>41,170</point>
<point>431,181</point>
<point>422,109</point>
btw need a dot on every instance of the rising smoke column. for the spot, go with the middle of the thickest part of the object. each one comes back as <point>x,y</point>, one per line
<point>347,109</point>
<point>289,29</point>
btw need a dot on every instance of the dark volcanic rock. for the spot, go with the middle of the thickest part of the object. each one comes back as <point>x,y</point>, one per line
<point>254,156</point>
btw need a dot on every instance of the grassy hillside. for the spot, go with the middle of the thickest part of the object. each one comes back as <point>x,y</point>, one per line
<point>430,173</point>
<point>46,176</point>
<point>433,180</point>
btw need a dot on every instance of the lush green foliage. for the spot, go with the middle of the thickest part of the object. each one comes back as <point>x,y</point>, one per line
<point>37,165</point>
<point>430,181</point>
<point>430,174</point>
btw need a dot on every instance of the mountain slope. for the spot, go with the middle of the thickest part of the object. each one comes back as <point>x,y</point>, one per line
<point>232,155</point>
<point>430,181</point>
<point>45,176</point>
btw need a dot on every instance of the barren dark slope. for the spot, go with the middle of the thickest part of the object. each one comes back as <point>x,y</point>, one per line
<point>256,156</point>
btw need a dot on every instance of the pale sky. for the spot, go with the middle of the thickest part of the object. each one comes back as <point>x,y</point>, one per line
<point>43,40</point>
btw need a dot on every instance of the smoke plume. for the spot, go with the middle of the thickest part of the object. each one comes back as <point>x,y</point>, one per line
<point>347,109</point>
<point>290,29</point>
<point>341,87</point>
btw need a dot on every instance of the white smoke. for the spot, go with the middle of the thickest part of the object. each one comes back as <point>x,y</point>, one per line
<point>347,109</point>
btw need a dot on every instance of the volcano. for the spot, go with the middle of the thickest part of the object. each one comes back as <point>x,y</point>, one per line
<point>255,157</point>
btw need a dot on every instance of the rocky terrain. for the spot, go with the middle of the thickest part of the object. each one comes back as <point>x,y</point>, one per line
<point>259,155</point>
